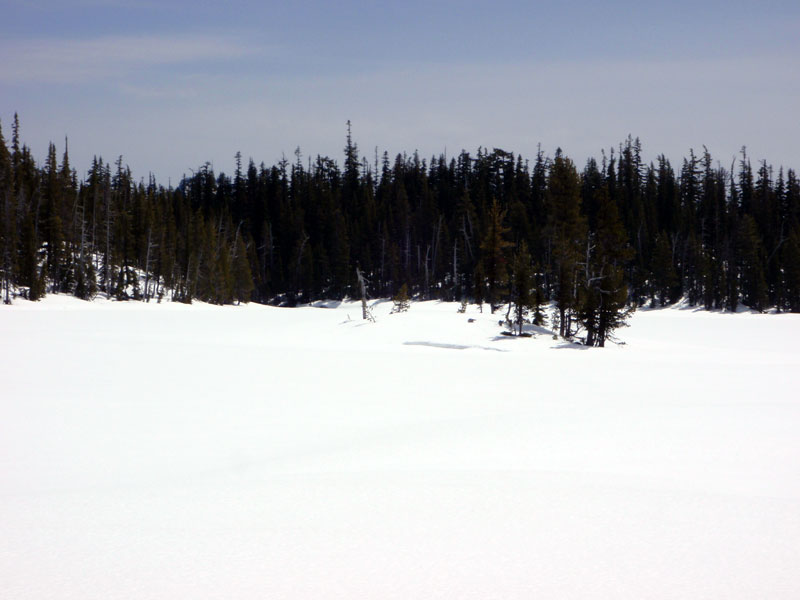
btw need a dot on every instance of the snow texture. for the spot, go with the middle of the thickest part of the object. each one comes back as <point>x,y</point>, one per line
<point>171,451</point>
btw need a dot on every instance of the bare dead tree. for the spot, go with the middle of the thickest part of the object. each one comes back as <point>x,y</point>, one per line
<point>366,313</point>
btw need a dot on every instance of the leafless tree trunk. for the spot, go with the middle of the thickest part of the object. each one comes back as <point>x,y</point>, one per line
<point>436,245</point>
<point>383,257</point>
<point>427,272</point>
<point>107,257</point>
<point>303,243</point>
<point>455,269</point>
<point>147,267</point>
<point>362,283</point>
<point>408,246</point>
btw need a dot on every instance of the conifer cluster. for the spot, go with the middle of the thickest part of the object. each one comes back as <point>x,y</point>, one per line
<point>489,227</point>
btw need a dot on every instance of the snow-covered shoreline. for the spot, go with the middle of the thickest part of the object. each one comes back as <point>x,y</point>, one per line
<point>162,451</point>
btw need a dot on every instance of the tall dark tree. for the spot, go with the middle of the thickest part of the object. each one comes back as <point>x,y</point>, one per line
<point>522,296</point>
<point>603,302</point>
<point>8,217</point>
<point>495,261</point>
<point>567,229</point>
<point>665,285</point>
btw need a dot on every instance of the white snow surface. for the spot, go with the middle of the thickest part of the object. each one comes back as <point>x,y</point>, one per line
<point>250,452</point>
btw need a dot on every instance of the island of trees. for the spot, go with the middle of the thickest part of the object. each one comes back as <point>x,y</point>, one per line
<point>491,227</point>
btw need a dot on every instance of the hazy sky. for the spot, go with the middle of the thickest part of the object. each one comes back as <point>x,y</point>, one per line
<point>172,84</point>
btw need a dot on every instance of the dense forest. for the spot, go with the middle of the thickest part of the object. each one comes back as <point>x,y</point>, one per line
<point>490,227</point>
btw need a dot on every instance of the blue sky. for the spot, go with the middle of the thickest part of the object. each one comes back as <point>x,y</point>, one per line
<point>172,84</point>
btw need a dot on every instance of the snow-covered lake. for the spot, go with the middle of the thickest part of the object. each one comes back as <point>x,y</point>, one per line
<point>165,451</point>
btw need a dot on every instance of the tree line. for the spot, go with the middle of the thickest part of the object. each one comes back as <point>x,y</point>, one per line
<point>490,227</point>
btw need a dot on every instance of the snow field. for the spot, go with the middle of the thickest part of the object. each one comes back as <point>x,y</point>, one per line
<point>163,451</point>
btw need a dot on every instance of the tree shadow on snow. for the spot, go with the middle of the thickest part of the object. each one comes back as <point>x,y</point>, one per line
<point>452,346</point>
<point>528,331</point>
<point>536,329</point>
<point>326,304</point>
<point>564,345</point>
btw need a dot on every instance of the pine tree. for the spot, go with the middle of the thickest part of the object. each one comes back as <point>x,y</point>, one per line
<point>479,285</point>
<point>494,259</point>
<point>8,225</point>
<point>751,265</point>
<point>401,300</point>
<point>791,258</point>
<point>567,233</point>
<point>665,284</point>
<point>604,293</point>
<point>224,284</point>
<point>242,276</point>
<point>522,297</point>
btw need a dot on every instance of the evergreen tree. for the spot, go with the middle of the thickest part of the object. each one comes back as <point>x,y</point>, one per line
<point>401,300</point>
<point>791,258</point>
<point>479,285</point>
<point>522,296</point>
<point>8,226</point>
<point>567,233</point>
<point>604,293</point>
<point>494,259</point>
<point>665,284</point>
<point>751,265</point>
<point>242,277</point>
